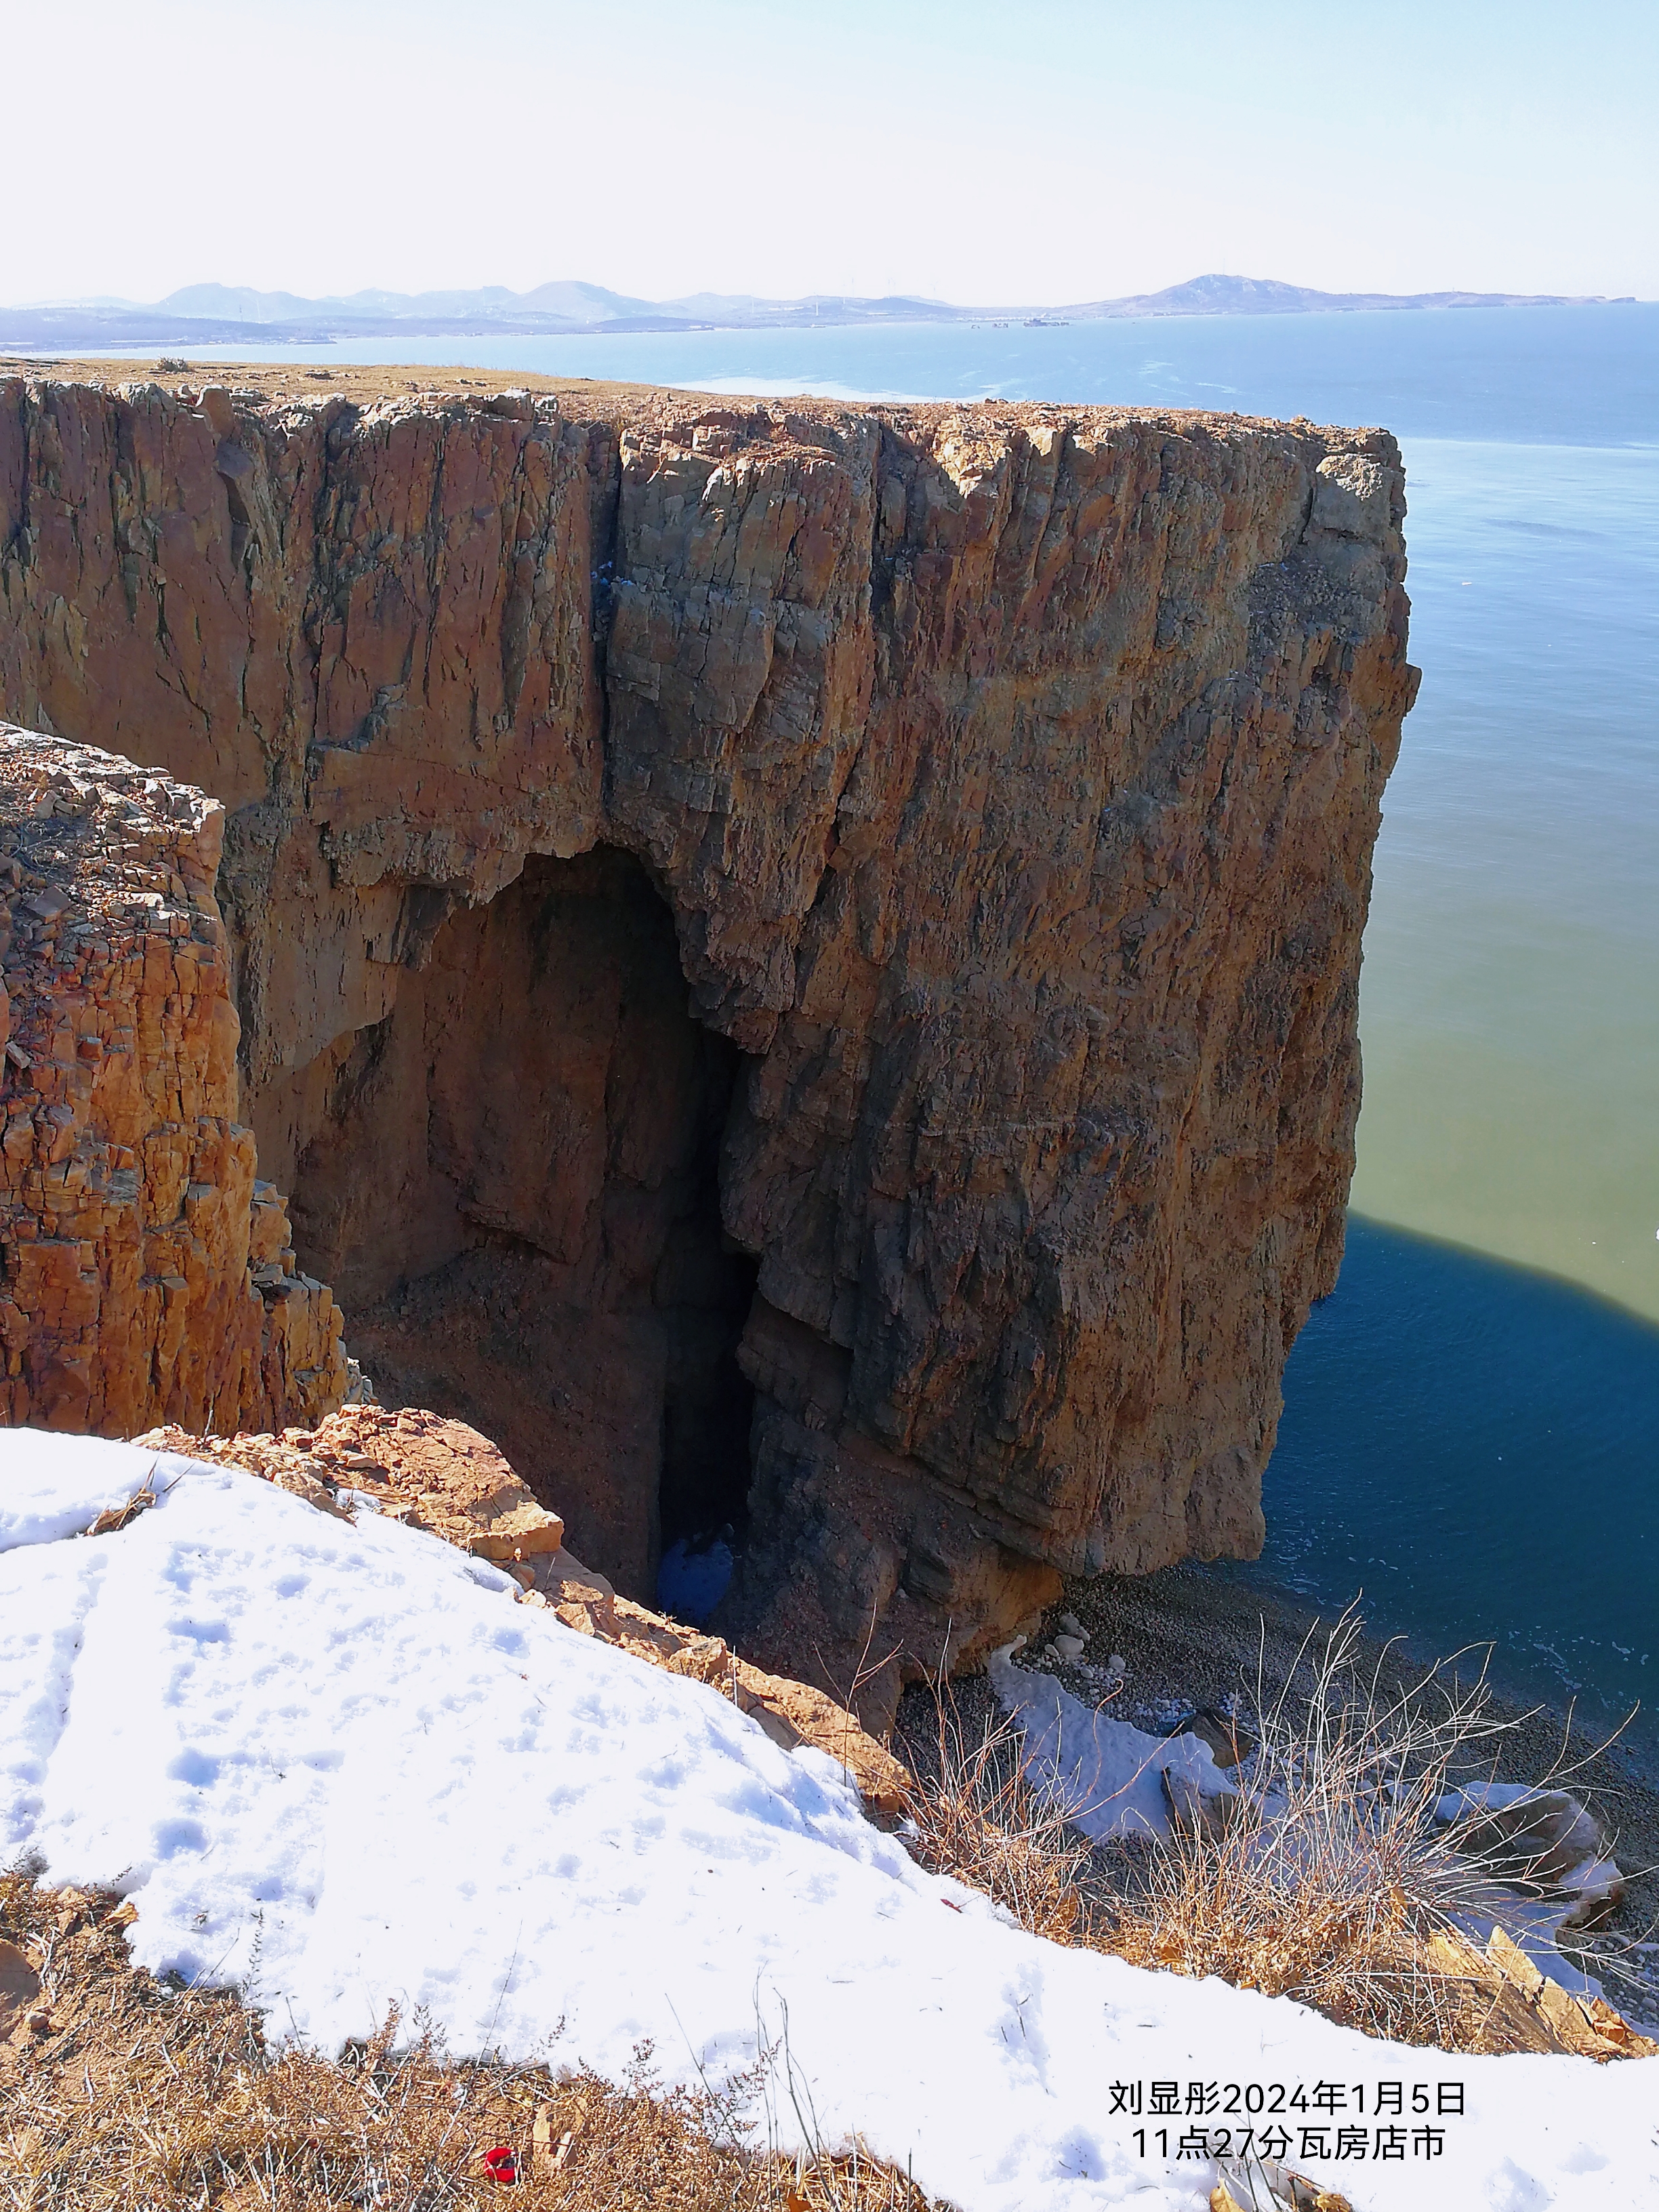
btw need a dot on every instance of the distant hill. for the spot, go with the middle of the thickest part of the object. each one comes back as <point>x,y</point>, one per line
<point>580,304</point>
<point>237,315</point>
<point>1265,295</point>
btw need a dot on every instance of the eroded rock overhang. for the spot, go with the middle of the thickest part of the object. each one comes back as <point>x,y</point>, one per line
<point>1011,775</point>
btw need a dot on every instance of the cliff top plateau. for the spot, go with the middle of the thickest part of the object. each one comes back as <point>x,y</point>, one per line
<point>370,384</point>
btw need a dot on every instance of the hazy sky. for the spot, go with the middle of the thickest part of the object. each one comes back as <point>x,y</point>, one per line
<point>1050,151</point>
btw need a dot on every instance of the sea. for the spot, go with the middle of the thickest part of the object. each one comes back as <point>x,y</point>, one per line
<point>1470,1443</point>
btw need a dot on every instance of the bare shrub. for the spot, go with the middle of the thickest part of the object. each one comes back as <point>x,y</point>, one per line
<point>1325,1878</point>
<point>1329,1877</point>
<point>978,1818</point>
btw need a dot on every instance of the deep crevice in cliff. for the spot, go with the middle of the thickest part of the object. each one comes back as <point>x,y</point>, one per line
<point>514,1183</point>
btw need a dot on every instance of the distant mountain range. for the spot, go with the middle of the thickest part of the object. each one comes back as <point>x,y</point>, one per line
<point>231,314</point>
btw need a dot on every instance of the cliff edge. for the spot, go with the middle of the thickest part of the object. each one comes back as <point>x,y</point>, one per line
<point>799,962</point>
<point>149,1274</point>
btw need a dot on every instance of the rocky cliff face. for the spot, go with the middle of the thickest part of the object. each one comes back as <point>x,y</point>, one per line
<point>148,1273</point>
<point>1000,780</point>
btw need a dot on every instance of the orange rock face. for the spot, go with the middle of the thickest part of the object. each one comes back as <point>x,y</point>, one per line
<point>1006,778</point>
<point>148,1274</point>
<point>417,1467</point>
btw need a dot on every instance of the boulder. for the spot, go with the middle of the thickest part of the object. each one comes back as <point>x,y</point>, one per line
<point>1521,1835</point>
<point>1195,1811</point>
<point>1507,2004</point>
<point>1230,1742</point>
<point>20,1988</point>
<point>146,1274</point>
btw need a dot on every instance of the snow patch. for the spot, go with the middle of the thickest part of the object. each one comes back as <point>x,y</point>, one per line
<point>1105,1774</point>
<point>340,1764</point>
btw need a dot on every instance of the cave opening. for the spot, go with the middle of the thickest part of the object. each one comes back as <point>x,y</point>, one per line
<point>513,1183</point>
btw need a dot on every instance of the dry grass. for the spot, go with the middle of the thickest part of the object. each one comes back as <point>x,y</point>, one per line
<point>136,2094</point>
<point>1330,1880</point>
<point>1332,1875</point>
<point>1328,1883</point>
<point>977,1818</point>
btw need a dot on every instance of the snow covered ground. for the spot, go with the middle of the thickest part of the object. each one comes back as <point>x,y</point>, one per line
<point>338,1764</point>
<point>1106,1773</point>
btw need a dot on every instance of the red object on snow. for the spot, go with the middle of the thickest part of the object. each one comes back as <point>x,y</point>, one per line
<point>501,2164</point>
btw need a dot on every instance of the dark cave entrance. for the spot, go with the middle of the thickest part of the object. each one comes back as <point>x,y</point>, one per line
<point>706,1288</point>
<point>513,1183</point>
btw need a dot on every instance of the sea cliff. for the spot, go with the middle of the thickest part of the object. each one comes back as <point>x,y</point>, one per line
<point>795,959</point>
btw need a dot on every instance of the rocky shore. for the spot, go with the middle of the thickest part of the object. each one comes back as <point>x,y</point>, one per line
<point>1193,1635</point>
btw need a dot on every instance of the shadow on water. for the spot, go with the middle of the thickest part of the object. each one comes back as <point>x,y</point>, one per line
<point>1473,1446</point>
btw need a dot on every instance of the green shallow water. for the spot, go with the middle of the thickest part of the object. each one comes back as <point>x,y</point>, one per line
<point>1510,1005</point>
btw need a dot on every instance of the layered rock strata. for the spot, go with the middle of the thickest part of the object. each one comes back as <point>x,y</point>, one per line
<point>1008,776</point>
<point>147,1272</point>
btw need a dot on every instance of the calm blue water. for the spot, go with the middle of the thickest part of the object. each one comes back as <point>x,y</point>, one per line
<point>1473,1443</point>
<point>1467,1447</point>
<point>1547,376</point>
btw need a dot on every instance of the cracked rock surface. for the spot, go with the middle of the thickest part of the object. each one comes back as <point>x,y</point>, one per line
<point>148,1274</point>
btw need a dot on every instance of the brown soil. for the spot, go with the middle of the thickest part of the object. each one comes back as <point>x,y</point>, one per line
<point>603,399</point>
<point>360,383</point>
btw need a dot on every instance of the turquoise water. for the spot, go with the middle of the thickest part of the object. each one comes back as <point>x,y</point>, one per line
<point>1469,1441</point>
<point>1510,1006</point>
<point>1467,1447</point>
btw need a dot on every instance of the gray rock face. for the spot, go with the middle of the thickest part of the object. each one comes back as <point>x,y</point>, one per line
<point>1011,774</point>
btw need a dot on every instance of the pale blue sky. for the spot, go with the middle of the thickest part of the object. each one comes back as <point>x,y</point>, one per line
<point>1060,150</point>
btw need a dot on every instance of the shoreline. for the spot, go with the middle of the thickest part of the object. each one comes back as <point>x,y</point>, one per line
<point>1192,1636</point>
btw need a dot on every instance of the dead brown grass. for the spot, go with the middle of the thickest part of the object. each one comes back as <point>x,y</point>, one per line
<point>1330,1877</point>
<point>976,1817</point>
<point>1330,1880</point>
<point>126,2091</point>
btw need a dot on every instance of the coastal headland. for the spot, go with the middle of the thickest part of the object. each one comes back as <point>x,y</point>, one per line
<point>796,964</point>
